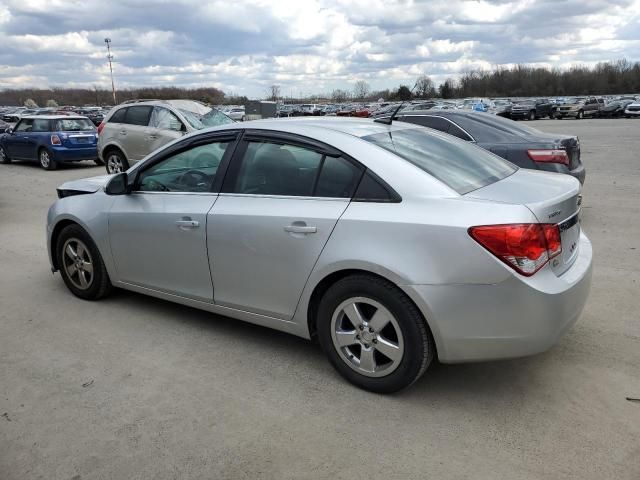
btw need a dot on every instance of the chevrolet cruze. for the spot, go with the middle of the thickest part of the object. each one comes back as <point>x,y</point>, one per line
<point>390,244</point>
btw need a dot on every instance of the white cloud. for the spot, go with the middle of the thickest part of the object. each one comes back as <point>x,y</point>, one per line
<point>306,45</point>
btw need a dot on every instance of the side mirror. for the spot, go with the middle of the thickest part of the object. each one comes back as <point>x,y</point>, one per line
<point>118,185</point>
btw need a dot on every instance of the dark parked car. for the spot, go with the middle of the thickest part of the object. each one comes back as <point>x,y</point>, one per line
<point>50,140</point>
<point>532,109</point>
<point>615,109</point>
<point>520,144</point>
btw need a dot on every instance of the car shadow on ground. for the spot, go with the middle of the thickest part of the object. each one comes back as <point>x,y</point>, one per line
<point>84,165</point>
<point>461,382</point>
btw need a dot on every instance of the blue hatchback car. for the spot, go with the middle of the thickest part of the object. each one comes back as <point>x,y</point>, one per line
<point>50,140</point>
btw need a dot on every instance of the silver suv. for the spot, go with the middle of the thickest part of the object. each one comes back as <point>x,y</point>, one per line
<point>134,129</point>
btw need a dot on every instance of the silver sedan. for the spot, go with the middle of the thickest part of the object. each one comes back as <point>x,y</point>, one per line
<point>389,244</point>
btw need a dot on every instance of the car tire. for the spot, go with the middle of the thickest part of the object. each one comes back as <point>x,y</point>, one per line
<point>45,160</point>
<point>389,349</point>
<point>580,115</point>
<point>81,265</point>
<point>98,161</point>
<point>115,161</point>
<point>4,157</point>
<point>532,115</point>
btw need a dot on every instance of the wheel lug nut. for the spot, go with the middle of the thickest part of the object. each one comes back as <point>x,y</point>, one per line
<point>361,327</point>
<point>371,329</point>
<point>357,337</point>
<point>375,341</point>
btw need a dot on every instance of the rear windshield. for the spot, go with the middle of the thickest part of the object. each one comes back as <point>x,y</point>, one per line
<point>462,166</point>
<point>74,125</point>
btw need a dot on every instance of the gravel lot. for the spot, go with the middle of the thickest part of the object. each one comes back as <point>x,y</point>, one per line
<point>135,387</point>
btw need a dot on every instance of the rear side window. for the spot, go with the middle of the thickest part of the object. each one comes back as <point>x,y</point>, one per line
<point>437,123</point>
<point>456,131</point>
<point>138,115</point>
<point>118,116</point>
<point>372,190</point>
<point>462,166</point>
<point>40,125</point>
<point>276,169</point>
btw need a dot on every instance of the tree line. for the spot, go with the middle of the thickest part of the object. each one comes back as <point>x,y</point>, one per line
<point>606,78</point>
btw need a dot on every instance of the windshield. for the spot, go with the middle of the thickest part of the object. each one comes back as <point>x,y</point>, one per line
<point>212,119</point>
<point>462,166</point>
<point>74,125</point>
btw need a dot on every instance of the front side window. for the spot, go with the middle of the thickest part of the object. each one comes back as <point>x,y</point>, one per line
<point>275,169</point>
<point>165,119</point>
<point>192,170</point>
<point>25,125</point>
<point>462,166</point>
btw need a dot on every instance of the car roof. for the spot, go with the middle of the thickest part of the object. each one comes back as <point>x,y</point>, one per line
<point>56,117</point>
<point>357,127</point>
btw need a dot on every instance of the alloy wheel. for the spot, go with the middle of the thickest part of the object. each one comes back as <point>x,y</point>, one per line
<point>45,160</point>
<point>367,337</point>
<point>114,164</point>
<point>77,263</point>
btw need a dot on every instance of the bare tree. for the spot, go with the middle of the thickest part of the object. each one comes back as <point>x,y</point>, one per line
<point>361,89</point>
<point>275,92</point>
<point>339,96</point>
<point>424,87</point>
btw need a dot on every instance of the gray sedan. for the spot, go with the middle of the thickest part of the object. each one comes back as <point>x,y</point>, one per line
<point>389,244</point>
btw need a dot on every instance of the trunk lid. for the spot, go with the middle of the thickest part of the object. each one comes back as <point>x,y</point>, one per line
<point>552,198</point>
<point>82,139</point>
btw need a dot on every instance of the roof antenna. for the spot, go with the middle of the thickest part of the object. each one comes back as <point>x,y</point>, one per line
<point>387,121</point>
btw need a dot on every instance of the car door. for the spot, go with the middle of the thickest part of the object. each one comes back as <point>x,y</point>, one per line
<point>280,201</point>
<point>158,232</point>
<point>18,140</point>
<point>133,134</point>
<point>164,127</point>
<point>40,133</point>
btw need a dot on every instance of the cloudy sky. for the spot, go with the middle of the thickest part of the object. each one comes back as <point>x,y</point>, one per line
<point>243,46</point>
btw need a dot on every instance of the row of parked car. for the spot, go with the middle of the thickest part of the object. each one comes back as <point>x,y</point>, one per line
<point>520,109</point>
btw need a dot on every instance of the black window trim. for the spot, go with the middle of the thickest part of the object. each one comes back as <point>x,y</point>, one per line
<point>285,138</point>
<point>233,136</point>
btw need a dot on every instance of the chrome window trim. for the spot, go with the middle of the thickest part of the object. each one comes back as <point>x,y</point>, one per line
<point>293,197</point>
<point>448,120</point>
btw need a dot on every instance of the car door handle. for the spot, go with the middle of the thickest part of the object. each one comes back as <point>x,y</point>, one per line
<point>153,137</point>
<point>187,224</point>
<point>300,229</point>
<point>123,132</point>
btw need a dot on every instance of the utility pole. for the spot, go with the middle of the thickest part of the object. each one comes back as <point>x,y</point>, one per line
<point>110,58</point>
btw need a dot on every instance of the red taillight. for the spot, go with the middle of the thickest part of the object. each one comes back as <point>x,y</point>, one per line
<point>525,247</point>
<point>549,156</point>
<point>55,140</point>
<point>100,127</point>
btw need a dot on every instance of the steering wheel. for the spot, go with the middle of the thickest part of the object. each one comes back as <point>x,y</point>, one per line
<point>194,178</point>
<point>156,186</point>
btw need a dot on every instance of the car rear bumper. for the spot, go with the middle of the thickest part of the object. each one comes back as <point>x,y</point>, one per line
<point>572,114</point>
<point>64,154</point>
<point>518,317</point>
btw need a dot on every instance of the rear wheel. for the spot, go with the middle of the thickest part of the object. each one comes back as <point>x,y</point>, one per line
<point>532,115</point>
<point>4,158</point>
<point>580,115</point>
<point>46,161</point>
<point>98,161</point>
<point>373,334</point>
<point>81,264</point>
<point>116,162</point>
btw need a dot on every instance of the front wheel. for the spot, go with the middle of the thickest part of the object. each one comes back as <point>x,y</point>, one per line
<point>580,115</point>
<point>532,115</point>
<point>4,158</point>
<point>81,264</point>
<point>373,334</point>
<point>46,161</point>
